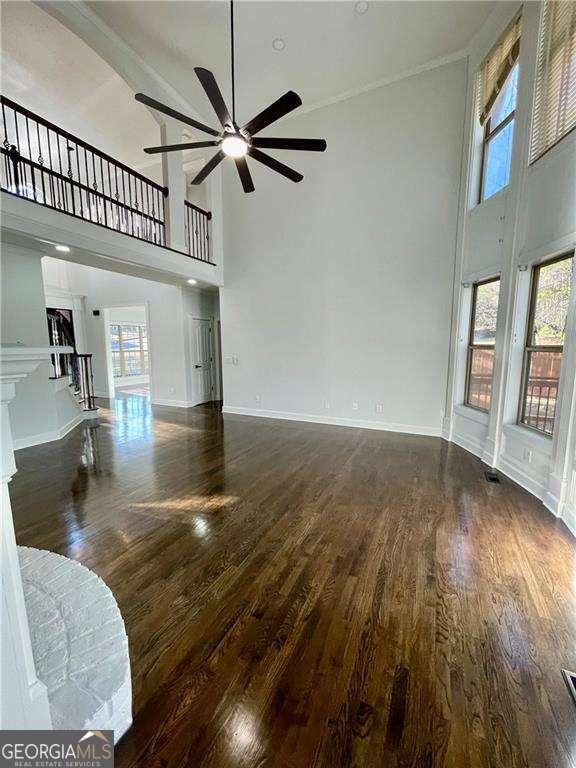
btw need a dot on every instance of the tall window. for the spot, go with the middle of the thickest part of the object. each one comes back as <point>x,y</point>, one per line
<point>497,92</point>
<point>555,98</point>
<point>481,344</point>
<point>550,296</point>
<point>129,347</point>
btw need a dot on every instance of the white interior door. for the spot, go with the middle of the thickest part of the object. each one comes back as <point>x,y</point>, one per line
<point>202,357</point>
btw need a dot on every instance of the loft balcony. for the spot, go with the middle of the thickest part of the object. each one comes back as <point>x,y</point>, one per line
<point>45,166</point>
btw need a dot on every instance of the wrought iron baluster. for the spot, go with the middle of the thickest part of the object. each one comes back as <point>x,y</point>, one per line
<point>87,184</point>
<point>103,190</point>
<point>117,196</point>
<point>69,151</point>
<point>6,145</point>
<point>20,168</point>
<point>32,172</point>
<point>80,199</point>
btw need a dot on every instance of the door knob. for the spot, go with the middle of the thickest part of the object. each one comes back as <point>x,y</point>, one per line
<point>197,366</point>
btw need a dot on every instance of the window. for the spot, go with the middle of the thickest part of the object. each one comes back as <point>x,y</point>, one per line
<point>481,344</point>
<point>555,97</point>
<point>496,104</point>
<point>550,295</point>
<point>129,347</point>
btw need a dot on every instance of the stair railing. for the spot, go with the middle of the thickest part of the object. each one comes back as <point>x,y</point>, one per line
<point>82,380</point>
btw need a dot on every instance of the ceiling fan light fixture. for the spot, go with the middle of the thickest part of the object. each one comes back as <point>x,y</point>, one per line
<point>234,146</point>
<point>237,141</point>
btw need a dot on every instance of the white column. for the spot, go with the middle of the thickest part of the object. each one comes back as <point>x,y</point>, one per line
<point>23,698</point>
<point>175,179</point>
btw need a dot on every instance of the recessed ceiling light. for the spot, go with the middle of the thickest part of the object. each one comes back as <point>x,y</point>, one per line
<point>192,281</point>
<point>62,248</point>
<point>361,7</point>
<point>278,44</point>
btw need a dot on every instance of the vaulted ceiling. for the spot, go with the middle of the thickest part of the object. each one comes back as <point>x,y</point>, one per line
<point>329,49</point>
<point>50,71</point>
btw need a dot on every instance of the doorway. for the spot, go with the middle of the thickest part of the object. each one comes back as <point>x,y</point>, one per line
<point>202,360</point>
<point>128,350</point>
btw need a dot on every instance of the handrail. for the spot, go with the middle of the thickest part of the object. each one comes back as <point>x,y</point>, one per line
<point>45,164</point>
<point>42,162</point>
<point>5,101</point>
<point>198,234</point>
<point>80,186</point>
<point>197,208</point>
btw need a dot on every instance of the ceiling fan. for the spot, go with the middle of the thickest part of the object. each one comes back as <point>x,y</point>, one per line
<point>233,141</point>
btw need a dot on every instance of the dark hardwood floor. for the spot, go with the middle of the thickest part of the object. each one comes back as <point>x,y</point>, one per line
<point>298,595</point>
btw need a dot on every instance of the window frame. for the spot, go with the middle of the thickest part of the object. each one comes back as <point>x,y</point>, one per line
<point>529,347</point>
<point>486,139</point>
<point>144,363</point>
<point>471,346</point>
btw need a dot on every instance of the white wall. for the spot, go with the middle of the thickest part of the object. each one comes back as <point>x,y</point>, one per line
<point>533,219</point>
<point>104,290</point>
<point>338,289</point>
<point>33,410</point>
<point>165,306</point>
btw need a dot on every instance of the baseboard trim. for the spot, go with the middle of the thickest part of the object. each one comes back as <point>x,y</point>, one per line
<point>48,437</point>
<point>469,444</point>
<point>569,517</point>
<point>78,419</point>
<point>335,421</point>
<point>514,470</point>
<point>173,403</point>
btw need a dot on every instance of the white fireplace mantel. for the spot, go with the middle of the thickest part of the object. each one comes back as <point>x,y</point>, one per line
<point>93,689</point>
<point>23,697</point>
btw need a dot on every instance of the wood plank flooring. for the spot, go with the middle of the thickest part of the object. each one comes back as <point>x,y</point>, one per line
<point>298,595</point>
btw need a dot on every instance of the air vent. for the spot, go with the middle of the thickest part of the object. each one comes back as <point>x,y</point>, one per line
<point>570,680</point>
<point>491,476</point>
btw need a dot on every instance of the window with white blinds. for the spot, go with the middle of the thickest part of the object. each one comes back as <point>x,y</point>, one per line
<point>495,69</point>
<point>555,100</point>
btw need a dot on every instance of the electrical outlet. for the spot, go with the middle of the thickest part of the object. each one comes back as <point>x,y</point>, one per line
<point>379,407</point>
<point>355,405</point>
<point>326,405</point>
<point>527,455</point>
<point>257,399</point>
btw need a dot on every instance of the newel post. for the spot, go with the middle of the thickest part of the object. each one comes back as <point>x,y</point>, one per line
<point>23,698</point>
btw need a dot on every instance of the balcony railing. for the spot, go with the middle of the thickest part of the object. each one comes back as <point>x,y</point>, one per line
<point>45,164</point>
<point>198,235</point>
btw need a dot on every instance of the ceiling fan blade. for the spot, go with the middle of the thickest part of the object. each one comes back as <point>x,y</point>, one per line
<point>143,99</point>
<point>174,147</point>
<point>210,165</point>
<point>274,112</point>
<point>275,165</point>
<point>244,173</point>
<point>210,86</point>
<point>305,145</point>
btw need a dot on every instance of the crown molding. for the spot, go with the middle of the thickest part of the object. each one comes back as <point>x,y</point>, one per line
<point>441,61</point>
